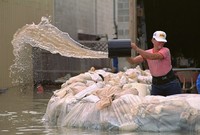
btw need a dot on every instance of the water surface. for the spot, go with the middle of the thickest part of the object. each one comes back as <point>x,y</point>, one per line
<point>22,109</point>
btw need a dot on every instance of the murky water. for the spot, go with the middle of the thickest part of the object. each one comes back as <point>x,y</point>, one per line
<point>22,109</point>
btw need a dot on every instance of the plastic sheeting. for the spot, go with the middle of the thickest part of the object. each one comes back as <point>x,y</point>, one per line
<point>116,103</point>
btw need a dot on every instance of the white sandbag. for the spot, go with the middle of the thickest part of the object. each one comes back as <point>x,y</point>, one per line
<point>194,101</point>
<point>55,108</point>
<point>83,115</point>
<point>94,76</point>
<point>86,91</point>
<point>143,89</point>
<point>89,82</point>
<point>125,91</point>
<point>145,79</point>
<point>132,71</point>
<point>115,117</point>
<point>91,98</point>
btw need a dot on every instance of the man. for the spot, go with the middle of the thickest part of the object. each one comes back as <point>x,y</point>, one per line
<point>159,62</point>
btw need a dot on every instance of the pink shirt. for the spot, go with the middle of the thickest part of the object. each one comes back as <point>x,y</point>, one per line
<point>160,67</point>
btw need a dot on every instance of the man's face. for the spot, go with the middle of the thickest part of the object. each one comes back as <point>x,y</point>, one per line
<point>157,45</point>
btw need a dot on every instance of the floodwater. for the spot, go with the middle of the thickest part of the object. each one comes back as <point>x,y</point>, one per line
<point>22,109</point>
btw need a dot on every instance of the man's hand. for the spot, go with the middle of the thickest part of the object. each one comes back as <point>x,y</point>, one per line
<point>134,46</point>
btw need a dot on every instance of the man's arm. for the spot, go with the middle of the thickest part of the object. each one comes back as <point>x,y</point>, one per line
<point>135,60</point>
<point>147,55</point>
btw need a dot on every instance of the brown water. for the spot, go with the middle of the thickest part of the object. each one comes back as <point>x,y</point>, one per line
<point>22,109</point>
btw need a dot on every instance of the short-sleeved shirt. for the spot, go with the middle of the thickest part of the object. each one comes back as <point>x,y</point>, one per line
<point>162,66</point>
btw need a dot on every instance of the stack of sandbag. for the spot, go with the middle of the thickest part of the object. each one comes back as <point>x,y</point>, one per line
<point>134,113</point>
<point>120,101</point>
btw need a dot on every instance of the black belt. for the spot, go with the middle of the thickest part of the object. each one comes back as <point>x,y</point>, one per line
<point>170,76</point>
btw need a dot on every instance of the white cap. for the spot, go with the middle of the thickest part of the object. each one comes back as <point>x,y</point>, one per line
<point>160,36</point>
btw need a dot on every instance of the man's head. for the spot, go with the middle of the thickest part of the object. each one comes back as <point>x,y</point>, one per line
<point>160,36</point>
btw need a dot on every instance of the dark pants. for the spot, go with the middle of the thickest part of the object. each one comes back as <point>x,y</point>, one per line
<point>170,88</point>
